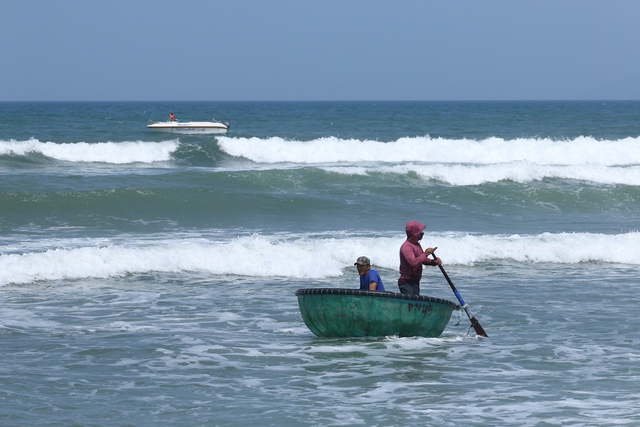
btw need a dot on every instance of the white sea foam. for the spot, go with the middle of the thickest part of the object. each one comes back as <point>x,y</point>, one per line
<point>579,151</point>
<point>455,162</point>
<point>102,152</point>
<point>520,171</point>
<point>311,258</point>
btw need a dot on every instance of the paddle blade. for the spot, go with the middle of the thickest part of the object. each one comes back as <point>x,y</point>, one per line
<point>478,328</point>
<point>474,321</point>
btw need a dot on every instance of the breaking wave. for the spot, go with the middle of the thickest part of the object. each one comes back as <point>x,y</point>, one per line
<point>315,257</point>
<point>454,162</point>
<point>102,152</point>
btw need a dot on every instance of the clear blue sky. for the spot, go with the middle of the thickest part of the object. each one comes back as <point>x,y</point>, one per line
<point>319,50</point>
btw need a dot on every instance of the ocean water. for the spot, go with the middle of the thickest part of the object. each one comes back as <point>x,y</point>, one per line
<point>148,278</point>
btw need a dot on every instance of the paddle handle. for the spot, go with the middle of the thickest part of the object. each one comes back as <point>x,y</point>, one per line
<point>474,322</point>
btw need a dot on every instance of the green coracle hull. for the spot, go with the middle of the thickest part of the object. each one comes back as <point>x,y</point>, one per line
<point>330,312</point>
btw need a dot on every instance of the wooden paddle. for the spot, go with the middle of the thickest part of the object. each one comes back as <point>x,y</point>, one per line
<point>474,321</point>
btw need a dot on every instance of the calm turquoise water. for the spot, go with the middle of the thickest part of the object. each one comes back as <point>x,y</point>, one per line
<point>148,278</point>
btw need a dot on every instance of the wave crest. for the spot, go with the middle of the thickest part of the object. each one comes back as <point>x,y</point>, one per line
<point>454,162</point>
<point>579,151</point>
<point>101,152</point>
<point>315,258</point>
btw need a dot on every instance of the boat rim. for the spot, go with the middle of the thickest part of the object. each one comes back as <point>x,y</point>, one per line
<point>379,294</point>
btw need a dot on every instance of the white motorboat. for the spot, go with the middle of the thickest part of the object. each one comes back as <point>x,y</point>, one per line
<point>178,126</point>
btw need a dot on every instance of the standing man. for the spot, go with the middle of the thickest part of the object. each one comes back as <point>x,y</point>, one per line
<point>370,280</point>
<point>412,258</point>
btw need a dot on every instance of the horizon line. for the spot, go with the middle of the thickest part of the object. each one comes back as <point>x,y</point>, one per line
<point>336,100</point>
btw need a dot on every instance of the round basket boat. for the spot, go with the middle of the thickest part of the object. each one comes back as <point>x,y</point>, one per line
<point>334,312</point>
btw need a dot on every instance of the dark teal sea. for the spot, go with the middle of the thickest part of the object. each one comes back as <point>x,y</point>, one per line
<point>148,278</point>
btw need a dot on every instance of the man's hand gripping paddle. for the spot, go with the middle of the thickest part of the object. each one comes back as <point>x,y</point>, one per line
<point>474,321</point>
